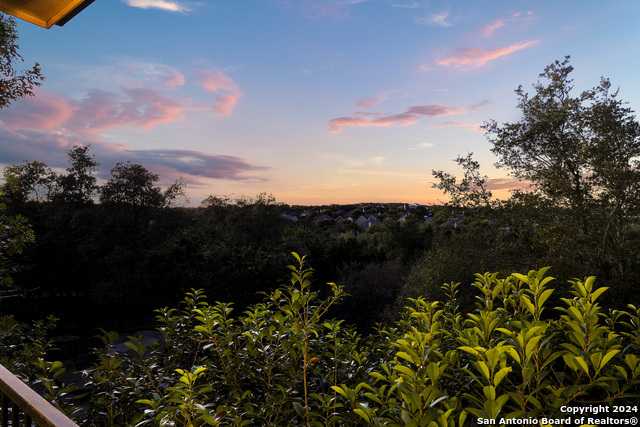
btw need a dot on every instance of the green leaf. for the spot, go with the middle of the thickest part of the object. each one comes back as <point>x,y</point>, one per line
<point>544,296</point>
<point>364,414</point>
<point>499,376</point>
<point>299,409</point>
<point>580,362</point>
<point>405,370</point>
<point>483,369</point>
<point>610,354</point>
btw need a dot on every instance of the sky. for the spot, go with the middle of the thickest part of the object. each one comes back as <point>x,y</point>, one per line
<point>313,101</point>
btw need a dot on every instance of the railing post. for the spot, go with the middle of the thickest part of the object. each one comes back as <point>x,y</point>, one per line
<point>15,414</point>
<point>35,407</point>
<point>5,410</point>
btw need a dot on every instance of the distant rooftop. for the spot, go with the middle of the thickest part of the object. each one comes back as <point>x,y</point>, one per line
<point>44,13</point>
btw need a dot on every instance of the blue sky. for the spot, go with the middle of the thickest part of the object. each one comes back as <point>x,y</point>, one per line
<point>314,101</point>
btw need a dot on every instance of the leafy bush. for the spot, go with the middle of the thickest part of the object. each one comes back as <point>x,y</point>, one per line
<point>282,363</point>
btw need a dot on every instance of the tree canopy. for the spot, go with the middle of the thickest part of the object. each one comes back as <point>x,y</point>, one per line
<point>573,148</point>
<point>14,84</point>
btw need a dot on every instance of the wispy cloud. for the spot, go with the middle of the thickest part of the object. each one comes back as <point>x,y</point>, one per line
<point>170,6</point>
<point>439,19</point>
<point>317,9</point>
<point>473,126</point>
<point>42,112</point>
<point>409,117</point>
<point>159,76</point>
<point>422,146</point>
<point>197,163</point>
<point>489,29</point>
<point>215,81</point>
<point>102,110</point>
<point>466,59</point>
<point>374,100</point>
<point>98,111</point>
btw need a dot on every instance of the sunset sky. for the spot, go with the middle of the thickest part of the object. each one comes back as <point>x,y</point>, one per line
<point>314,101</point>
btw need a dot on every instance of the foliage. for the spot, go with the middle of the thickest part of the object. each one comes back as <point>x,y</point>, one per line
<point>78,185</point>
<point>29,180</point>
<point>281,363</point>
<point>14,84</point>
<point>20,343</point>
<point>132,188</point>
<point>273,365</point>
<point>132,185</point>
<point>15,234</point>
<point>581,152</point>
<point>471,191</point>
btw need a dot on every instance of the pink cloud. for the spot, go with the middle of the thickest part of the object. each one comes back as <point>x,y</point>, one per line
<point>151,75</point>
<point>401,119</point>
<point>409,117</point>
<point>370,102</point>
<point>475,58</point>
<point>214,80</point>
<point>474,126</point>
<point>172,78</point>
<point>225,104</point>
<point>488,30</point>
<point>217,81</point>
<point>44,111</point>
<point>435,110</point>
<point>133,106</point>
<point>102,110</point>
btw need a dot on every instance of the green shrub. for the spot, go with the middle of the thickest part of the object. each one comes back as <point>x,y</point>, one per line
<point>281,362</point>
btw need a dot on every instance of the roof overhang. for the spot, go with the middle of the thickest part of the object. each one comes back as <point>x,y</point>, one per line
<point>44,13</point>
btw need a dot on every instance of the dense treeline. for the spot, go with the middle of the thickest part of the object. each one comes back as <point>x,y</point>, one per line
<point>123,258</point>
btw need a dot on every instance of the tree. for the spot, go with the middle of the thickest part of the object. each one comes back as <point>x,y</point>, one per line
<point>471,192</point>
<point>132,185</point>
<point>14,84</point>
<point>572,149</point>
<point>29,180</point>
<point>579,152</point>
<point>78,185</point>
<point>133,188</point>
<point>548,145</point>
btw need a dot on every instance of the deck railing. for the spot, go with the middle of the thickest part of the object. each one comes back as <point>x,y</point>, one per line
<point>28,408</point>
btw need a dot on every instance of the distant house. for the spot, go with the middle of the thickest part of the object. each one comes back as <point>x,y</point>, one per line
<point>365,221</point>
<point>324,217</point>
